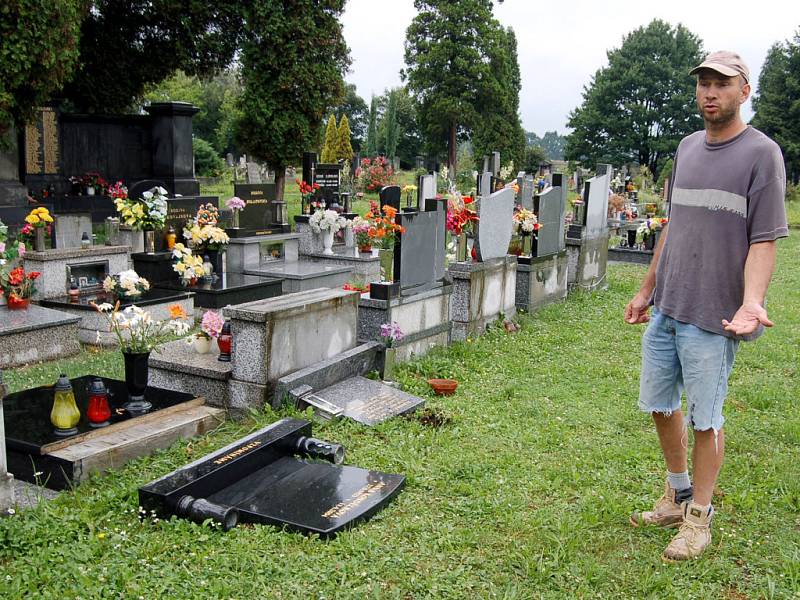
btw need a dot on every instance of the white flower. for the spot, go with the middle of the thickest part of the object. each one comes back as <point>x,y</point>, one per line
<point>105,306</point>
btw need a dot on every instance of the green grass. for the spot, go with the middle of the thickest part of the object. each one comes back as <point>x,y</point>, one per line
<point>523,493</point>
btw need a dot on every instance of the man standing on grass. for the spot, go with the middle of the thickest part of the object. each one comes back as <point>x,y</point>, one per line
<point>707,283</point>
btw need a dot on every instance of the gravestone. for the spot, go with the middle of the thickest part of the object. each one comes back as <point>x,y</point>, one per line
<point>526,192</point>
<point>179,212</point>
<point>426,189</point>
<point>327,177</point>
<point>494,165</point>
<point>253,173</point>
<point>485,183</point>
<point>390,195</point>
<point>69,229</point>
<point>6,478</point>
<point>262,215</point>
<point>420,251</point>
<point>309,166</point>
<point>266,478</point>
<point>597,203</point>
<point>495,224</point>
<point>367,401</point>
<point>550,209</point>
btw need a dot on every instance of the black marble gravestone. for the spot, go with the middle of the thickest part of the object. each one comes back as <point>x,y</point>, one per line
<point>390,195</point>
<point>274,477</point>
<point>420,251</point>
<point>263,213</point>
<point>327,177</point>
<point>550,208</point>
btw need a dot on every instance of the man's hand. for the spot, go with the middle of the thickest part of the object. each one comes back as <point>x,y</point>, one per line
<point>636,312</point>
<point>747,319</point>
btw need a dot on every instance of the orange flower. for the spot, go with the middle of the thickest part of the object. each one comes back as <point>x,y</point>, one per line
<point>176,312</point>
<point>389,211</point>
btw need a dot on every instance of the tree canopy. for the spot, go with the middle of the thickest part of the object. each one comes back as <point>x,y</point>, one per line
<point>777,102</point>
<point>39,44</point>
<point>448,55</point>
<point>293,61</point>
<point>639,107</point>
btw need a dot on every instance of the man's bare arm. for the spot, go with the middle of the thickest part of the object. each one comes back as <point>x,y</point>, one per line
<point>758,270</point>
<point>636,310</point>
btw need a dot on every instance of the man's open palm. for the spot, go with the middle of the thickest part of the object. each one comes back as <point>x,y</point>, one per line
<point>747,319</point>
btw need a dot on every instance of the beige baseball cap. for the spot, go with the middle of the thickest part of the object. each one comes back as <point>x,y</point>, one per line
<point>728,63</point>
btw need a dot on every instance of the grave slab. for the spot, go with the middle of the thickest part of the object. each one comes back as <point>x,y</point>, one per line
<point>36,334</point>
<point>33,446</point>
<point>228,289</point>
<point>179,368</point>
<point>304,275</point>
<point>265,478</point>
<point>482,292</point>
<point>369,402</point>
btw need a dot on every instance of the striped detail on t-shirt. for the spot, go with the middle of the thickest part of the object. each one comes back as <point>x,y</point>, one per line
<point>711,199</point>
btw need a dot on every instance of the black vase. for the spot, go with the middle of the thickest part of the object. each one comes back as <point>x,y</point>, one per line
<point>216,258</point>
<point>650,242</point>
<point>631,238</point>
<point>136,375</point>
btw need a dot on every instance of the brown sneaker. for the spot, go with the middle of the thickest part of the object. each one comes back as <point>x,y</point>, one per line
<point>666,512</point>
<point>694,534</point>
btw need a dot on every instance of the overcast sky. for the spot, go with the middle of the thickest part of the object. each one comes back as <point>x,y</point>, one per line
<point>561,45</point>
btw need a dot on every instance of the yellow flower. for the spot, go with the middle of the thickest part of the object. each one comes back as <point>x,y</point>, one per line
<point>180,267</point>
<point>32,219</point>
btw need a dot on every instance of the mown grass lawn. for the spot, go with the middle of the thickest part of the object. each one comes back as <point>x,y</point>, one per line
<point>524,493</point>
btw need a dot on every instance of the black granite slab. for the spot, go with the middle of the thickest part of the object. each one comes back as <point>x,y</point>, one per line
<point>154,267</point>
<point>29,432</point>
<point>83,302</point>
<point>230,288</point>
<point>266,479</point>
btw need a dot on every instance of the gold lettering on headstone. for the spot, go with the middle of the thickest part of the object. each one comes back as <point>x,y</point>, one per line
<point>342,508</point>
<point>33,147</point>
<point>237,453</point>
<point>256,193</point>
<point>50,138</point>
<point>257,201</point>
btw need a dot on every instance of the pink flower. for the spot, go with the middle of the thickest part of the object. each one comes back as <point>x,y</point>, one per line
<point>2,247</point>
<point>21,249</point>
<point>212,323</point>
<point>235,203</point>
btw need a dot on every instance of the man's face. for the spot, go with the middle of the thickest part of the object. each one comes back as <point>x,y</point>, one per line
<point>719,97</point>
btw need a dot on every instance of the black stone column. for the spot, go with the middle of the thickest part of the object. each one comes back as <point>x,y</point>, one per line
<point>12,192</point>
<point>173,158</point>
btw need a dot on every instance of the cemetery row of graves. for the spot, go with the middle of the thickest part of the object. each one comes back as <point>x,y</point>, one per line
<point>279,313</point>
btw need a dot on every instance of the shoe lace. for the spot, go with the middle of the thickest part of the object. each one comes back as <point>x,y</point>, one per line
<point>689,531</point>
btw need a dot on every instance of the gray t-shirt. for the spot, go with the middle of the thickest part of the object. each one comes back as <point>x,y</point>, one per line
<point>724,197</point>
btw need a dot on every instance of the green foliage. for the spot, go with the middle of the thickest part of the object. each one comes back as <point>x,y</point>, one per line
<point>449,54</point>
<point>215,97</point>
<point>777,102</point>
<point>331,145</point>
<point>207,163</point>
<point>666,171</point>
<point>533,157</point>
<point>552,143</point>
<point>38,53</point>
<point>344,151</point>
<point>500,128</point>
<point>372,130</point>
<point>127,45</point>
<point>357,112</point>
<point>390,126</point>
<point>639,107</point>
<point>293,60</point>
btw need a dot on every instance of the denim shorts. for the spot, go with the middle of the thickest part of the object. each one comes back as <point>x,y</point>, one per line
<point>678,357</point>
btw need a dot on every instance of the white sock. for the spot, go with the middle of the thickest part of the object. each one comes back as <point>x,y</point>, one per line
<point>679,481</point>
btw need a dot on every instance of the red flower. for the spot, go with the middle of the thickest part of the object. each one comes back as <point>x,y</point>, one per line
<point>33,275</point>
<point>16,276</point>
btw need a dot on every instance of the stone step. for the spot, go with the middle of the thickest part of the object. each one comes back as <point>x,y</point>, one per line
<point>180,368</point>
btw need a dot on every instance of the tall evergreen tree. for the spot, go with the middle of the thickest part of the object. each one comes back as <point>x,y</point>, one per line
<point>344,150</point>
<point>639,107</point>
<point>331,144</point>
<point>357,112</point>
<point>447,56</point>
<point>293,61</point>
<point>499,127</point>
<point>777,102</point>
<point>372,130</point>
<point>391,127</point>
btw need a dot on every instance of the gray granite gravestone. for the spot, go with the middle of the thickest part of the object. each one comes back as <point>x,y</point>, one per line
<point>421,249</point>
<point>495,164</point>
<point>253,173</point>
<point>550,208</point>
<point>390,195</point>
<point>369,402</point>
<point>426,189</point>
<point>495,225</point>
<point>526,192</point>
<point>69,229</point>
<point>597,205</point>
<point>485,185</point>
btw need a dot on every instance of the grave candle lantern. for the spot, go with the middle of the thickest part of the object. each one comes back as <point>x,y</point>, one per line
<point>65,414</point>
<point>99,412</point>
<point>225,341</point>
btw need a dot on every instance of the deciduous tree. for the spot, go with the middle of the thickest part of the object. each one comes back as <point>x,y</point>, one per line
<point>639,107</point>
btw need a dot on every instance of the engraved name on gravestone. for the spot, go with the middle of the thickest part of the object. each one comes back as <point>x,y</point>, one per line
<point>179,211</point>
<point>597,206</point>
<point>549,209</point>
<point>390,195</point>
<point>421,249</point>
<point>495,225</point>
<point>368,401</point>
<point>42,144</point>
<point>259,212</point>
<point>326,175</point>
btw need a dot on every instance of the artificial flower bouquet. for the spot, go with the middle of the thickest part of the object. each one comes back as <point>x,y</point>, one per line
<point>211,325</point>
<point>145,213</point>
<point>126,284</point>
<point>361,231</point>
<point>39,217</point>
<point>649,227</point>
<point>17,284</point>
<point>460,213</point>
<point>187,265</point>
<point>383,227</point>
<point>203,233</point>
<point>118,191</point>
<point>137,331</point>
<point>307,193</point>
<point>391,334</point>
<point>327,220</point>
<point>9,251</point>
<point>93,179</point>
<point>525,221</point>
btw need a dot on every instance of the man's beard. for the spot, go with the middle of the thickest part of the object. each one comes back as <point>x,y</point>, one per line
<point>724,115</point>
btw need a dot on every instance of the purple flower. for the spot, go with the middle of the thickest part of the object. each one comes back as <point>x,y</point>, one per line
<point>391,333</point>
<point>235,203</point>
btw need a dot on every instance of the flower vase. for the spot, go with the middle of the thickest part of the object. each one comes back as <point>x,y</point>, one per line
<point>631,238</point>
<point>90,191</point>
<point>137,371</point>
<point>461,248</point>
<point>375,252</point>
<point>38,240</point>
<point>236,219</point>
<point>327,241</point>
<point>649,242</point>
<point>365,249</point>
<point>202,344</point>
<point>387,264</point>
<point>389,357</point>
<point>16,303</point>
<point>149,241</point>
<point>217,260</point>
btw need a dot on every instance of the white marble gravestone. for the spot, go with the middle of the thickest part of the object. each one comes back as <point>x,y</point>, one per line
<point>427,189</point>
<point>495,213</point>
<point>597,206</point>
